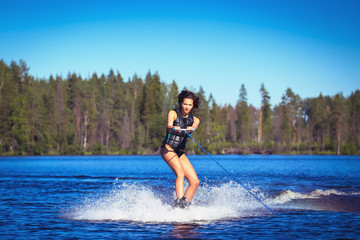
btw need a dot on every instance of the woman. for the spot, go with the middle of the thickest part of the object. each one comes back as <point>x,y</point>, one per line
<point>173,146</point>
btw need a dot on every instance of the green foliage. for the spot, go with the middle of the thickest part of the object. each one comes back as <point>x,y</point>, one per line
<point>97,149</point>
<point>349,148</point>
<point>18,128</point>
<point>105,115</point>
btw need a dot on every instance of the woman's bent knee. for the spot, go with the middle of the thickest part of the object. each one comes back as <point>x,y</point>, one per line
<point>195,183</point>
<point>180,173</point>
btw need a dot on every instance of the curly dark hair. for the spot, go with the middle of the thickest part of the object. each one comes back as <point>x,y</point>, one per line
<point>187,94</point>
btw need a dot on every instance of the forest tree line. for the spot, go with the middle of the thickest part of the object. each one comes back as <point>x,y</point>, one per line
<point>107,115</point>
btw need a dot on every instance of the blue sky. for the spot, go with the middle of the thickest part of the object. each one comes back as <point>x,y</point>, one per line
<point>309,46</point>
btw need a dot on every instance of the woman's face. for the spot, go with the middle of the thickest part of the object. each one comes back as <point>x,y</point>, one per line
<point>187,105</point>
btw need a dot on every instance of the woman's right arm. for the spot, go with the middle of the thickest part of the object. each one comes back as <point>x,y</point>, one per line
<point>171,118</point>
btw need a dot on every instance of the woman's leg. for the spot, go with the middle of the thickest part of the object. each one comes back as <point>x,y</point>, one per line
<point>191,176</point>
<point>172,159</point>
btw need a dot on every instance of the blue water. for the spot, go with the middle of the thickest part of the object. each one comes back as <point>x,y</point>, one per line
<point>126,197</point>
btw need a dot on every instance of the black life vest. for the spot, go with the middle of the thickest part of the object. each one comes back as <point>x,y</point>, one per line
<point>178,139</point>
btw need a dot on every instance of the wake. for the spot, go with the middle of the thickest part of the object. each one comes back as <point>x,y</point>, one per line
<point>318,200</point>
<point>227,201</point>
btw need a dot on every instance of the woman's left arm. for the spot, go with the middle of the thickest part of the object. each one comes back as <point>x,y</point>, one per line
<point>194,126</point>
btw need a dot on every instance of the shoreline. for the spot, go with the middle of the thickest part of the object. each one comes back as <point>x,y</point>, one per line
<point>188,154</point>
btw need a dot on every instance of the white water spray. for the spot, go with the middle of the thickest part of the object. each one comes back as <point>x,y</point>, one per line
<point>133,202</point>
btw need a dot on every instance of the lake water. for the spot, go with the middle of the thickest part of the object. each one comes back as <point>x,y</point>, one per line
<point>128,197</point>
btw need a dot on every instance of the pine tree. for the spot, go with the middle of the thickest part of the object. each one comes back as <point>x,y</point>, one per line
<point>265,120</point>
<point>172,96</point>
<point>354,122</point>
<point>337,119</point>
<point>291,107</point>
<point>73,114</point>
<point>218,122</point>
<point>243,117</point>
<point>8,94</point>
<point>203,113</point>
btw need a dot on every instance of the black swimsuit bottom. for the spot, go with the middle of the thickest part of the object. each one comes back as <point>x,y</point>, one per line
<point>179,150</point>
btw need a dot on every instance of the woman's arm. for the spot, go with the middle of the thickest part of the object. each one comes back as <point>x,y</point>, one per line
<point>194,126</point>
<point>171,118</point>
